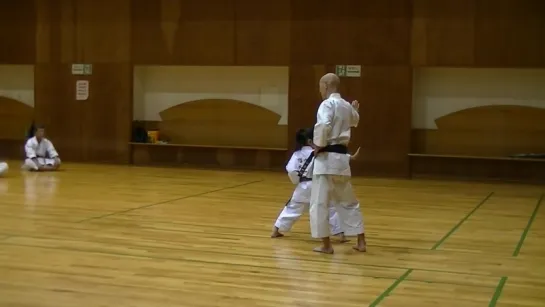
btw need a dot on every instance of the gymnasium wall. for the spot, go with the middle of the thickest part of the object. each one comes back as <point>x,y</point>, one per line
<point>16,107</point>
<point>484,112</point>
<point>389,38</point>
<point>90,32</point>
<point>17,82</point>
<point>214,105</point>
<point>157,88</point>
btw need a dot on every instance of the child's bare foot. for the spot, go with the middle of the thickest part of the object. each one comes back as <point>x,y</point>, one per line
<point>359,248</point>
<point>276,233</point>
<point>342,238</point>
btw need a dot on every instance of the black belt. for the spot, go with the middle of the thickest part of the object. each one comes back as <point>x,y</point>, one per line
<point>336,148</point>
<point>304,179</point>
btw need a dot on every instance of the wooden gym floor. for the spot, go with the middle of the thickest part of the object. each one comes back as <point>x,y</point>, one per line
<point>126,236</point>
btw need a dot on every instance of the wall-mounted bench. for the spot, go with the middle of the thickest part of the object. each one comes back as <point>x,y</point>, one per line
<point>477,167</point>
<point>208,156</point>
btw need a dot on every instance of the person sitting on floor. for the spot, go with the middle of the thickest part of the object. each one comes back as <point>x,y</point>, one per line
<point>40,153</point>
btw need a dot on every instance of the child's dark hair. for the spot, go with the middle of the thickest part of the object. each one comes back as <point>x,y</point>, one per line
<point>302,137</point>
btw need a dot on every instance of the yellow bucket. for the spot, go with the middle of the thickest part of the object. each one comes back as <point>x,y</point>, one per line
<point>153,136</point>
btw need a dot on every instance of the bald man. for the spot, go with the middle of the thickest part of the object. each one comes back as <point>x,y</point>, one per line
<point>331,181</point>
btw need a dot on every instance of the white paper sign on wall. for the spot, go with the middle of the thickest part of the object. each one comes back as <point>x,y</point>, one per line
<point>353,71</point>
<point>82,90</point>
<point>77,69</point>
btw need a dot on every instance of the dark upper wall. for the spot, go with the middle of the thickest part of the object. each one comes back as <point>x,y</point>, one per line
<point>387,37</point>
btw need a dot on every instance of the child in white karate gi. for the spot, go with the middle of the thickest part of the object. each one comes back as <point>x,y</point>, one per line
<point>299,170</point>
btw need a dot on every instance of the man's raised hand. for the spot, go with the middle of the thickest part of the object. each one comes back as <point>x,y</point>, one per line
<point>356,105</point>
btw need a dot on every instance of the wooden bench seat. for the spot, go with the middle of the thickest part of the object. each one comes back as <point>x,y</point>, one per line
<point>477,167</point>
<point>247,157</point>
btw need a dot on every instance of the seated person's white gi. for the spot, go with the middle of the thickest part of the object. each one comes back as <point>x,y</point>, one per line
<point>40,153</point>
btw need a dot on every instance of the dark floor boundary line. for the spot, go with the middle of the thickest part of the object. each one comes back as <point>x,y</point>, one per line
<point>195,261</point>
<point>264,230</point>
<point>390,289</point>
<point>528,226</point>
<point>166,201</point>
<point>246,265</point>
<point>267,236</point>
<point>455,228</point>
<point>309,260</point>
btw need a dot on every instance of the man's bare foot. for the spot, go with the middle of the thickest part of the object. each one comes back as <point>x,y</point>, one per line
<point>321,249</point>
<point>276,233</point>
<point>326,247</point>
<point>362,245</point>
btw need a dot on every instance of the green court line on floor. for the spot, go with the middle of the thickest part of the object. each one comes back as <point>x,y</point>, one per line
<point>498,292</point>
<point>388,291</point>
<point>527,229</point>
<point>453,230</point>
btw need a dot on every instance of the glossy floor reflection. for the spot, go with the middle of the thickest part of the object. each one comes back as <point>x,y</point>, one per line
<point>96,235</point>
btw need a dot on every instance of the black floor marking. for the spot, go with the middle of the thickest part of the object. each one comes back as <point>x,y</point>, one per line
<point>166,201</point>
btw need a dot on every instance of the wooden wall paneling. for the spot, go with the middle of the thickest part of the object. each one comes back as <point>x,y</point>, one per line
<point>237,158</point>
<point>510,33</point>
<point>303,98</point>
<point>489,131</point>
<point>207,33</point>
<point>107,115</point>
<point>12,150</point>
<point>385,35</point>
<point>104,28</point>
<point>152,34</point>
<point>262,32</point>
<point>104,38</point>
<point>91,32</point>
<point>373,32</point>
<point>468,168</point>
<point>17,32</point>
<point>443,33</point>
<point>54,86</point>
<point>324,32</point>
<point>183,32</point>
<point>384,133</point>
<point>15,118</point>
<point>56,108</point>
<point>222,122</point>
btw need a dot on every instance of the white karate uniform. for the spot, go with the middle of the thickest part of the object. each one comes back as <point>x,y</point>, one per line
<point>44,151</point>
<point>300,198</point>
<point>3,168</point>
<point>331,173</point>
